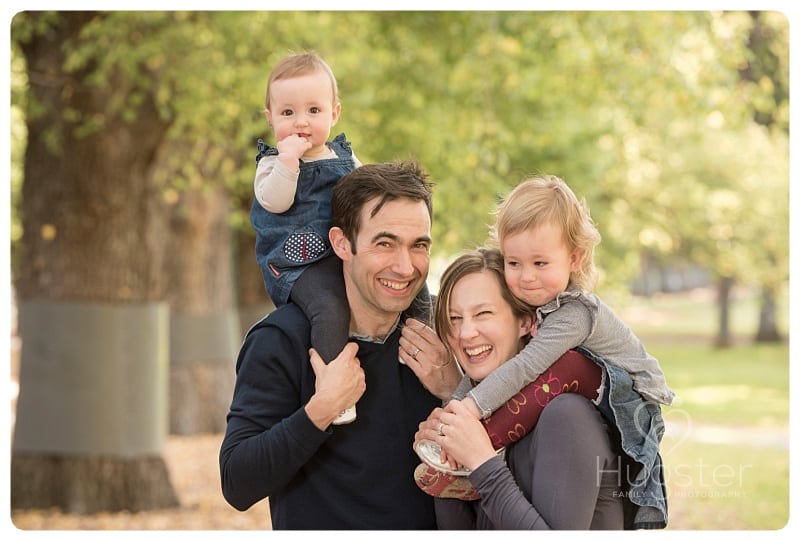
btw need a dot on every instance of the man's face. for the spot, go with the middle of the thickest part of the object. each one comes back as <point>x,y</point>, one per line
<point>391,260</point>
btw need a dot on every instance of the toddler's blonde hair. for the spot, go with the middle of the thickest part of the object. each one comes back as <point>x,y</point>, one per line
<point>546,199</point>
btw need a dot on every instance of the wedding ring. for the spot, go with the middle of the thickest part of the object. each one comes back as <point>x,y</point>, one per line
<point>439,429</point>
<point>414,355</point>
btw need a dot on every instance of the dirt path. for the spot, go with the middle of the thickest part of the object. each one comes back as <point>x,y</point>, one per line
<point>753,436</point>
<point>194,470</point>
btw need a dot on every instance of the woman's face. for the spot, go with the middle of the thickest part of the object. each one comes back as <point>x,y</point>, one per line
<point>485,333</point>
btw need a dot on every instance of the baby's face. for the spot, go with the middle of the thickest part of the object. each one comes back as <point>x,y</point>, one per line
<point>303,106</point>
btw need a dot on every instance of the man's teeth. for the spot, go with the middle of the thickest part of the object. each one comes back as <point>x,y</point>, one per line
<point>478,350</point>
<point>394,285</point>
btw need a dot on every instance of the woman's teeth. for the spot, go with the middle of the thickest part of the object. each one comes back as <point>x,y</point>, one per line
<point>472,352</point>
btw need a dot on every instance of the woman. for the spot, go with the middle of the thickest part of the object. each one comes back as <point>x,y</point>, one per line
<point>568,472</point>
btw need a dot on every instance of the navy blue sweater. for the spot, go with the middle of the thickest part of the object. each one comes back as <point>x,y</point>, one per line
<point>356,476</point>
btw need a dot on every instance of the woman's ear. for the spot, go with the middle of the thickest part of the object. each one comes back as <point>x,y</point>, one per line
<point>527,326</point>
<point>340,243</point>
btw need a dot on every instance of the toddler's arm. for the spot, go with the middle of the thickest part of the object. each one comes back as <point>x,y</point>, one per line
<point>559,332</point>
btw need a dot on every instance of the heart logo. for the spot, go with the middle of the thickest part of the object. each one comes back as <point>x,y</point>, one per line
<point>677,426</point>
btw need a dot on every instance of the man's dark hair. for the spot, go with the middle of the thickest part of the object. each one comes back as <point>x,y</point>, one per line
<point>381,181</point>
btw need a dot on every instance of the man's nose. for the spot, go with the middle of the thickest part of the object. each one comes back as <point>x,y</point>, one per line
<point>403,263</point>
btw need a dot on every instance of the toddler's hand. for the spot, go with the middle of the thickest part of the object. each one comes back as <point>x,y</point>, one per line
<point>471,407</point>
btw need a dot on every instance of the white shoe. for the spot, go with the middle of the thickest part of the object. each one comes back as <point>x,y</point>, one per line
<point>346,417</point>
<point>431,454</point>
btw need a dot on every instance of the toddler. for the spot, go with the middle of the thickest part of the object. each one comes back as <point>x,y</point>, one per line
<point>547,239</point>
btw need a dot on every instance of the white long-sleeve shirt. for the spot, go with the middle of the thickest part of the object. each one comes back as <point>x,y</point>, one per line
<point>275,184</point>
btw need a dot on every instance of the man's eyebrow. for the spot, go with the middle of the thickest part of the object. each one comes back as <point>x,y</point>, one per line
<point>384,235</point>
<point>396,238</point>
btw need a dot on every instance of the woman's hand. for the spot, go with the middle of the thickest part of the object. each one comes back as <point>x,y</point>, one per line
<point>429,430</point>
<point>423,352</point>
<point>464,438</point>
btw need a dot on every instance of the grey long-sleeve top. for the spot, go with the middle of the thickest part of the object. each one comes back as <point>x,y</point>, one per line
<point>574,319</point>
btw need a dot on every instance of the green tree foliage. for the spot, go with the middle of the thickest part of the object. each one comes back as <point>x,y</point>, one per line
<point>644,113</point>
<point>673,125</point>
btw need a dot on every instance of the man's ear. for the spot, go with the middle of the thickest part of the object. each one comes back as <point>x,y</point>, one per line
<point>340,243</point>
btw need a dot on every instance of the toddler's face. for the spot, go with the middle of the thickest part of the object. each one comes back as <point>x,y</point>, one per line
<point>538,263</point>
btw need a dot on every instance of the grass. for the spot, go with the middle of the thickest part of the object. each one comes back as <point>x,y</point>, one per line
<point>726,454</point>
<point>741,385</point>
<point>725,487</point>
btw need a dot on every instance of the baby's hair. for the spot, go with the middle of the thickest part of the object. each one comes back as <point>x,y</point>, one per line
<point>295,65</point>
<point>546,199</point>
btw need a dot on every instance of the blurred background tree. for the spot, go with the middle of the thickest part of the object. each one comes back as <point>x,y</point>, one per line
<point>133,144</point>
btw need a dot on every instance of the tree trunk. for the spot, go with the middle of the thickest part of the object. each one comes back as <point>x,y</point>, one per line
<point>252,298</point>
<point>767,317</point>
<point>724,288</point>
<point>86,485</point>
<point>205,332</point>
<point>91,418</point>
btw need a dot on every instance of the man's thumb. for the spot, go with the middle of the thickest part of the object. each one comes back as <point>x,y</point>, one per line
<point>316,361</point>
<point>351,348</point>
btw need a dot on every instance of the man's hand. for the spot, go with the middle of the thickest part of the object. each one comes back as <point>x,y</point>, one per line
<point>423,352</point>
<point>339,385</point>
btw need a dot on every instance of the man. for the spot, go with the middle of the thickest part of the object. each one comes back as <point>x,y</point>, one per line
<point>280,442</point>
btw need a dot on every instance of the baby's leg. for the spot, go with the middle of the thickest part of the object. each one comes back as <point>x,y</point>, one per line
<point>319,292</point>
<point>421,307</point>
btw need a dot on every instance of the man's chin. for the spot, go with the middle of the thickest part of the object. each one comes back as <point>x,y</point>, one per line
<point>398,304</point>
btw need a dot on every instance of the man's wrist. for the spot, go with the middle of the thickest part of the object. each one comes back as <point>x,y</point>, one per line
<point>448,380</point>
<point>319,413</point>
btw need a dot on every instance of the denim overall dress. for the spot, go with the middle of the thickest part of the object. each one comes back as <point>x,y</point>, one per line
<point>287,243</point>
